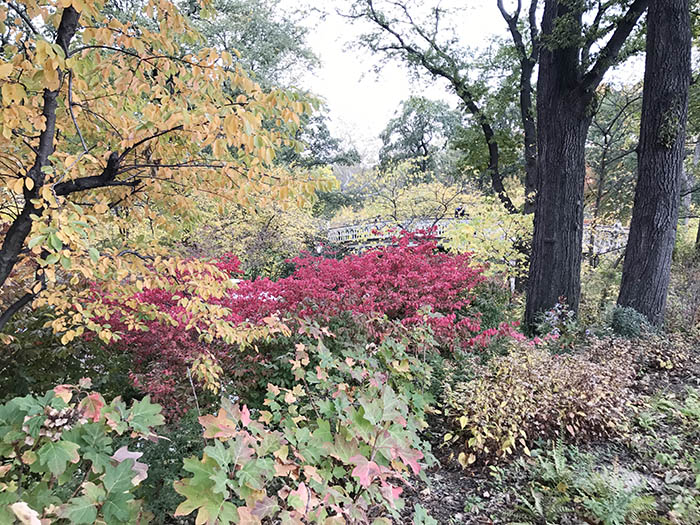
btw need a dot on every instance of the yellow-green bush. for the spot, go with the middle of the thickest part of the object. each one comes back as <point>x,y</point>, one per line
<point>531,394</point>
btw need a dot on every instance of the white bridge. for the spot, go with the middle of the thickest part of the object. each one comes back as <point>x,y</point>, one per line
<point>606,238</point>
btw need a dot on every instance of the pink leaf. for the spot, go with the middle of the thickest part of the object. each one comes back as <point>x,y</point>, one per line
<point>245,416</point>
<point>365,470</point>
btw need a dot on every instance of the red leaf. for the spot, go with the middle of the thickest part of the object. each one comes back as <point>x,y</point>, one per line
<point>92,406</point>
<point>365,470</point>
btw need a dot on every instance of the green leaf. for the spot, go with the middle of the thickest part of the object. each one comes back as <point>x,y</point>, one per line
<point>35,240</point>
<point>80,511</point>
<point>117,483</point>
<point>116,508</point>
<point>118,479</point>
<point>55,242</point>
<point>144,415</point>
<point>55,455</point>
<point>373,410</point>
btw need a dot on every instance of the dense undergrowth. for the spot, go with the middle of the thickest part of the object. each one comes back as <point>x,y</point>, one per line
<point>387,387</point>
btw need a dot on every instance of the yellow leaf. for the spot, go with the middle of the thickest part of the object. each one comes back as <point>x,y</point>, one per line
<point>18,186</point>
<point>29,183</point>
<point>6,70</point>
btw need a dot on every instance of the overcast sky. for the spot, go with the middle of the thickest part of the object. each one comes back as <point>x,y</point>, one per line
<point>360,101</point>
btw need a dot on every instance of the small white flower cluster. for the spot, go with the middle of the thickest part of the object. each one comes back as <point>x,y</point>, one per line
<point>56,422</point>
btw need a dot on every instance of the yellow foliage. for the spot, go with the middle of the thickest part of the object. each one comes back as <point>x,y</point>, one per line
<point>401,196</point>
<point>110,138</point>
<point>494,236</point>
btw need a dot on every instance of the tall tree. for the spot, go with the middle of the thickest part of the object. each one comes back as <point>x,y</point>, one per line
<point>422,37</point>
<point>569,73</point>
<point>108,123</point>
<point>421,130</point>
<point>646,271</point>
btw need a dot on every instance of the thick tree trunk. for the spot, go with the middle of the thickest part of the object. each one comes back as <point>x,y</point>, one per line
<point>646,270</point>
<point>562,126</point>
<point>565,90</point>
<point>555,265</point>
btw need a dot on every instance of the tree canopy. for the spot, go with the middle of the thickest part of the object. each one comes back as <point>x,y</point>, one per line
<point>111,131</point>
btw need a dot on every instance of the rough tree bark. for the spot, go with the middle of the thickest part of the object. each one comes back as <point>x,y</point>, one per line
<point>646,270</point>
<point>565,90</point>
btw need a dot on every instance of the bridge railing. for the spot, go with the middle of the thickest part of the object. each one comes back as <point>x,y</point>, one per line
<point>607,238</point>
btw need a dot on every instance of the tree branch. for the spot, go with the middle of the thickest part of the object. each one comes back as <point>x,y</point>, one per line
<point>608,55</point>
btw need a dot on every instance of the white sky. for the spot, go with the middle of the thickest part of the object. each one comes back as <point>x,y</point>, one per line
<point>360,101</point>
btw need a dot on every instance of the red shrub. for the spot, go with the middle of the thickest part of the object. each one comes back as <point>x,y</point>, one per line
<point>394,282</point>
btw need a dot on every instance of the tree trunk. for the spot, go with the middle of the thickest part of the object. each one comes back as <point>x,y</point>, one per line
<point>565,91</point>
<point>562,126</point>
<point>19,230</point>
<point>555,265</point>
<point>646,270</point>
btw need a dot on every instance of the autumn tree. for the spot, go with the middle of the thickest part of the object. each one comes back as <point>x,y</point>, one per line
<point>111,125</point>
<point>647,266</point>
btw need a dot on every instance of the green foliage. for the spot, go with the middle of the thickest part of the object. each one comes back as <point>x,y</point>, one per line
<point>59,459</point>
<point>421,131</point>
<point>270,41</point>
<point>37,360</point>
<point>628,322</point>
<point>164,458</point>
<point>531,394</point>
<point>565,484</point>
<point>336,446</point>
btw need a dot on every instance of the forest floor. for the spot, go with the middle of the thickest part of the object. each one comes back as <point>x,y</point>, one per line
<point>648,474</point>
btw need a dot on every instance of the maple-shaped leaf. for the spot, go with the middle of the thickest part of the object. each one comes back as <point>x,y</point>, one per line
<point>56,454</point>
<point>344,448</point>
<point>265,507</point>
<point>365,470</point>
<point>140,469</point>
<point>92,406</point>
<point>144,415</point>
<point>65,392</point>
<point>299,498</point>
<point>410,457</point>
<point>241,450</point>
<point>219,426</point>
<point>392,405</point>
<point>247,517</point>
<point>199,494</point>
<point>80,511</point>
